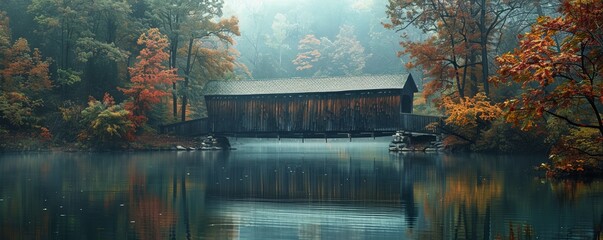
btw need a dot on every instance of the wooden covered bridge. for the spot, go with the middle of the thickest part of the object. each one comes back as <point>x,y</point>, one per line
<point>307,107</point>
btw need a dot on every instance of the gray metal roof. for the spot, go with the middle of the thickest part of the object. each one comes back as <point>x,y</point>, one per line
<point>309,85</point>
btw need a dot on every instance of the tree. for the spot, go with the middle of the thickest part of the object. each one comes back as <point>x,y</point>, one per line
<point>24,77</point>
<point>23,70</point>
<point>344,56</point>
<point>309,53</point>
<point>315,56</point>
<point>281,31</point>
<point>83,37</point>
<point>62,22</point>
<point>172,16</point>
<point>467,117</point>
<point>196,53</point>
<point>149,76</point>
<point>4,34</point>
<point>348,56</point>
<point>559,66</point>
<point>462,32</point>
<point>562,80</point>
<point>454,55</point>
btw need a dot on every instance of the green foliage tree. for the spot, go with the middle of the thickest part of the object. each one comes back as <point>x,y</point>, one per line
<point>17,111</point>
<point>89,40</point>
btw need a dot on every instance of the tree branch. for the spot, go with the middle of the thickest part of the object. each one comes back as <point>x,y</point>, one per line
<point>569,121</point>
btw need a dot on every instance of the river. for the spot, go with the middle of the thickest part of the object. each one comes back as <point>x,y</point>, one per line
<point>268,189</point>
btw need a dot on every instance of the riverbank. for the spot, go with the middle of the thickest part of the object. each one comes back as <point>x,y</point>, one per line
<point>147,141</point>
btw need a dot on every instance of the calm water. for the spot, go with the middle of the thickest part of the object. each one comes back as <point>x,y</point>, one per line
<point>290,190</point>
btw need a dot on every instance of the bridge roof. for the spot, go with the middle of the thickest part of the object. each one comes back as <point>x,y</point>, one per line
<point>310,85</point>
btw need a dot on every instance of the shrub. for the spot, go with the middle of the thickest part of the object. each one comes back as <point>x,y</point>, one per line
<point>16,110</point>
<point>106,124</point>
<point>578,154</point>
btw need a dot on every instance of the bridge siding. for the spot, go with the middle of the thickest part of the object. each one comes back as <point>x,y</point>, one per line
<point>419,123</point>
<point>332,112</point>
<point>357,105</point>
<point>408,122</point>
<point>189,128</point>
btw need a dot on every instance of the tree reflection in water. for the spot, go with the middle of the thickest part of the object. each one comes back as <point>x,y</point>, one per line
<point>280,191</point>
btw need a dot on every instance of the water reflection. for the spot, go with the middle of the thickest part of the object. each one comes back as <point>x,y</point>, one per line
<point>288,190</point>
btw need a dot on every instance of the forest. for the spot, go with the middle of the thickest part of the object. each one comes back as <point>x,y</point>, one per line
<point>510,75</point>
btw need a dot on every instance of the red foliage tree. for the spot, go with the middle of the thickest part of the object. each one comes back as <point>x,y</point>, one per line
<point>559,65</point>
<point>561,79</point>
<point>150,77</point>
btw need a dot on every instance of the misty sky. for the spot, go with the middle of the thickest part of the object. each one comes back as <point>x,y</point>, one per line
<point>238,7</point>
<point>271,31</point>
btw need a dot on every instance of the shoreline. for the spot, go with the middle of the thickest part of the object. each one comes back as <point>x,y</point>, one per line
<point>145,142</point>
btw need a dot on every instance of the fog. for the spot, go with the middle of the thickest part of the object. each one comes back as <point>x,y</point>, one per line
<point>352,38</point>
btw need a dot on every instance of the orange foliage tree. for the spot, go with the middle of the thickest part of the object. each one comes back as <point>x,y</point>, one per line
<point>454,56</point>
<point>468,111</point>
<point>309,53</point>
<point>559,65</point>
<point>24,76</point>
<point>21,69</point>
<point>203,51</point>
<point>462,33</point>
<point>24,70</point>
<point>150,77</point>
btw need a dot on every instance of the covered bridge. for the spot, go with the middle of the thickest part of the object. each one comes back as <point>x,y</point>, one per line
<point>351,104</point>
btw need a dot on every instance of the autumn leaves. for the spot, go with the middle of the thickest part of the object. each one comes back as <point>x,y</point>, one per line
<point>550,84</point>
<point>149,77</point>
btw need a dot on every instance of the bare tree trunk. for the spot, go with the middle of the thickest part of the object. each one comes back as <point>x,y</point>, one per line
<point>484,47</point>
<point>187,72</point>
<point>173,56</point>
<point>538,8</point>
